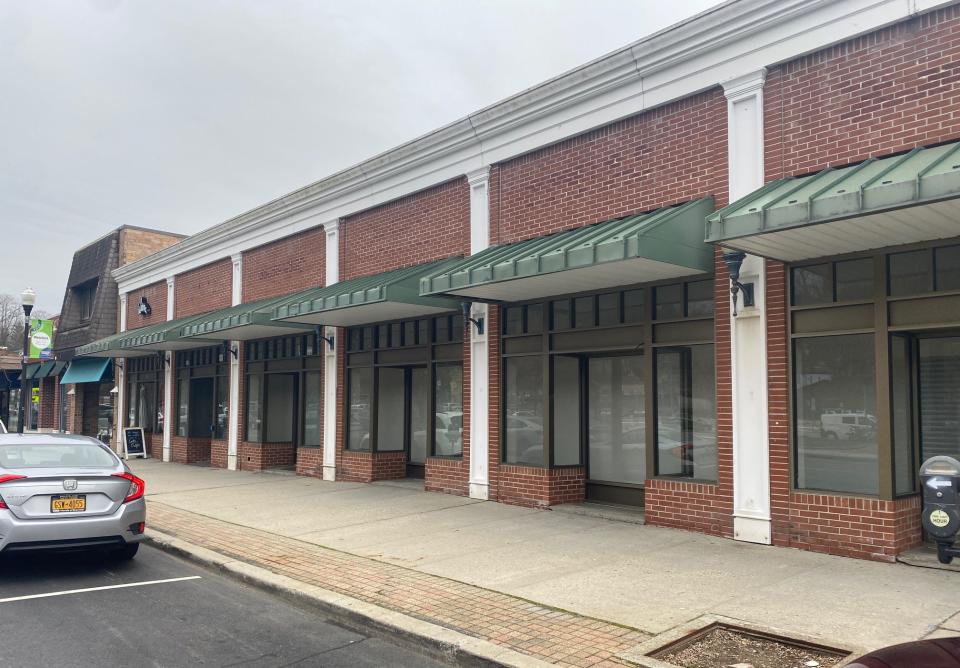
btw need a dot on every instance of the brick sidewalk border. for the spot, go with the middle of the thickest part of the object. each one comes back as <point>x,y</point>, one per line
<point>546,633</point>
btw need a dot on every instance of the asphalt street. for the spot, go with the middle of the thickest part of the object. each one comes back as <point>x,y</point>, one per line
<point>170,613</point>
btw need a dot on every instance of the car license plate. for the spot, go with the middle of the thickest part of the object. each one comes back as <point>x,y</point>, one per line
<point>68,503</point>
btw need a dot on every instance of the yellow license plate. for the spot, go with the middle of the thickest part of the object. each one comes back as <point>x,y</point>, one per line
<point>68,504</point>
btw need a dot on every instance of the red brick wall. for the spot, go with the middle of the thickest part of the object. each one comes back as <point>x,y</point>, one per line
<point>539,487</point>
<point>49,403</point>
<point>429,225</point>
<point>219,450</point>
<point>707,508</point>
<point>284,266</point>
<point>260,456</point>
<point>310,462</point>
<point>668,155</point>
<point>184,450</point>
<point>450,476</point>
<point>371,466</point>
<point>156,294</point>
<point>203,289</point>
<point>493,410</point>
<point>881,93</point>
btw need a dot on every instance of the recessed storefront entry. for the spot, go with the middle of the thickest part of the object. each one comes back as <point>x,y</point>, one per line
<point>402,414</point>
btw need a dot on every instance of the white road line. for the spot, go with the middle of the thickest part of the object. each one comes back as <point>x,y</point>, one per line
<point>83,591</point>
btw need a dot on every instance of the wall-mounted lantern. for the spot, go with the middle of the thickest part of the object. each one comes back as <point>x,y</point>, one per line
<point>734,260</point>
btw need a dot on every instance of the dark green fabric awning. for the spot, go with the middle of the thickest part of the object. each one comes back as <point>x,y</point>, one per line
<point>85,371</point>
<point>377,298</point>
<point>889,201</point>
<point>31,370</point>
<point>48,369</point>
<point>243,322</point>
<point>105,347</point>
<point>663,244</point>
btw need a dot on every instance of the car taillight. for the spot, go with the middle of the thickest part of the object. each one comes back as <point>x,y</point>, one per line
<point>137,486</point>
<point>8,478</point>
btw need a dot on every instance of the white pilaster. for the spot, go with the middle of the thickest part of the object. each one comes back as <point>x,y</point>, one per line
<point>169,419</point>
<point>748,335</point>
<point>233,411</point>
<point>332,263</point>
<point>479,181</point>
<point>120,380</point>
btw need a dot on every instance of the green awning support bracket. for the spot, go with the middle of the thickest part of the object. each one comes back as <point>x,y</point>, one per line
<point>665,243</point>
<point>881,193</point>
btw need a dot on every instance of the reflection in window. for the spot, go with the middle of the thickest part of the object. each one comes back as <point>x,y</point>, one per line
<point>561,314</point>
<point>142,411</point>
<point>855,279</point>
<point>617,440</point>
<point>183,409</point>
<point>902,414</point>
<point>947,260</point>
<point>566,410</point>
<point>280,390</point>
<point>686,412</point>
<point>448,421</point>
<point>221,408</point>
<point>523,429</point>
<point>668,300</point>
<point>835,422</point>
<point>910,273</point>
<point>390,407</point>
<point>700,299</point>
<point>359,399</point>
<point>609,309</point>
<point>583,312</point>
<point>633,306</point>
<point>811,285</point>
<point>312,401</point>
<point>254,417</point>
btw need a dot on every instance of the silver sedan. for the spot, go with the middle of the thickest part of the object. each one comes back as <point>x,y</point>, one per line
<point>59,491</point>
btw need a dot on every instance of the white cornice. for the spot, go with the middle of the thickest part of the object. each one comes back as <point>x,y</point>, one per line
<point>720,45</point>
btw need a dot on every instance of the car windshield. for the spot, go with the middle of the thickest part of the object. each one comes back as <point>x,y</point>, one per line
<point>44,455</point>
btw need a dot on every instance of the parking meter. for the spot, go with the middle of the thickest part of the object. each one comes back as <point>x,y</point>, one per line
<point>940,477</point>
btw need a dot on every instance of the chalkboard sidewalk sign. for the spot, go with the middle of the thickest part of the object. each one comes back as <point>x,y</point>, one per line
<point>133,444</point>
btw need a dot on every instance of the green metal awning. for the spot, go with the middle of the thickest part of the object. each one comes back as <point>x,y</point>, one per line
<point>243,322</point>
<point>162,336</point>
<point>378,298</point>
<point>882,202</point>
<point>105,347</point>
<point>666,243</point>
<point>49,368</point>
<point>30,370</point>
<point>85,371</point>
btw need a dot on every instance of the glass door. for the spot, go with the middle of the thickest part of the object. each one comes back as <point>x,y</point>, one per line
<point>419,422</point>
<point>939,396</point>
<point>616,434</point>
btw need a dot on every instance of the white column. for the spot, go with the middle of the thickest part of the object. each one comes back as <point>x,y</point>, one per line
<point>233,411</point>
<point>169,419</point>
<point>119,372</point>
<point>332,263</point>
<point>748,335</point>
<point>479,355</point>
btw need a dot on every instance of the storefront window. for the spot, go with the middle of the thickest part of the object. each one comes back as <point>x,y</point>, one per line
<point>448,420</point>
<point>142,408</point>
<point>835,422</point>
<point>523,431</point>
<point>253,408</point>
<point>686,412</point>
<point>359,401</point>
<point>617,438</point>
<point>901,404</point>
<point>183,406</point>
<point>221,409</point>
<point>566,410</point>
<point>279,401</point>
<point>812,285</point>
<point>911,273</point>
<point>390,409</point>
<point>312,404</point>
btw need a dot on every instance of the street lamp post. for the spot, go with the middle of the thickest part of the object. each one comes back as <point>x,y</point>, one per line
<point>27,300</point>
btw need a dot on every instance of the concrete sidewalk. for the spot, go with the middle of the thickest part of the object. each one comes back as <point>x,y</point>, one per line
<point>647,579</point>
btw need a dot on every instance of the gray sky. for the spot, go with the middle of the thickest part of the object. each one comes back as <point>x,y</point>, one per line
<point>182,113</point>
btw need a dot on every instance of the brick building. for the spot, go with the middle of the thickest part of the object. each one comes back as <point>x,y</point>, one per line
<point>76,392</point>
<point>533,305</point>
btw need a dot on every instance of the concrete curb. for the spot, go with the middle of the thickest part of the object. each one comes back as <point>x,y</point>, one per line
<point>424,637</point>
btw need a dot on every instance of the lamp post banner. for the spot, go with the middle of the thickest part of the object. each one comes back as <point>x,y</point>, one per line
<point>41,339</point>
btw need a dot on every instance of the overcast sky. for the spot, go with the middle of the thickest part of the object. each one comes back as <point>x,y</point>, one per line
<point>180,114</point>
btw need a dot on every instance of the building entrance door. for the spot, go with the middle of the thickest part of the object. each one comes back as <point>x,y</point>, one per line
<point>201,407</point>
<point>403,407</point>
<point>616,429</point>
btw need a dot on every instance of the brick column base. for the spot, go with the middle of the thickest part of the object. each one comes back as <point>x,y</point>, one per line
<point>539,487</point>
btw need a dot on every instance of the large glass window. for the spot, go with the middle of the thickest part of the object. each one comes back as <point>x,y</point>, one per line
<point>523,429</point>
<point>901,391</point>
<point>566,410</point>
<point>254,408</point>
<point>835,423</point>
<point>390,408</point>
<point>359,401</point>
<point>617,449</point>
<point>281,388</point>
<point>686,412</point>
<point>142,405</point>
<point>183,406</point>
<point>911,273</point>
<point>312,405</point>
<point>448,421</point>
